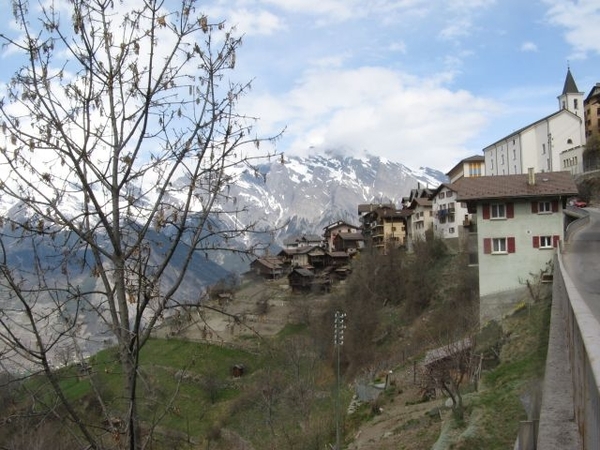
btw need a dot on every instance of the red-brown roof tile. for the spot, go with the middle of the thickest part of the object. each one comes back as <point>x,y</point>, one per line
<point>547,184</point>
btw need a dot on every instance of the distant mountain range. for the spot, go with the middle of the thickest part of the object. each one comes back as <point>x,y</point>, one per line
<point>295,195</point>
<point>309,193</point>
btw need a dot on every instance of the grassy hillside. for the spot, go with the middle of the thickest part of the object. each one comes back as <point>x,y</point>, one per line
<point>286,397</point>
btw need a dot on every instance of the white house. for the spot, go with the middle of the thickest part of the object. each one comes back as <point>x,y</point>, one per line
<point>519,223</point>
<point>449,215</point>
<point>420,221</point>
<point>335,228</point>
<point>540,144</point>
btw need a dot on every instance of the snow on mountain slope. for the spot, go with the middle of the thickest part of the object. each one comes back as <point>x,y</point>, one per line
<point>309,193</point>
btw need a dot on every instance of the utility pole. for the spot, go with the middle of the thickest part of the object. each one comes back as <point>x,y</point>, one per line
<point>338,341</point>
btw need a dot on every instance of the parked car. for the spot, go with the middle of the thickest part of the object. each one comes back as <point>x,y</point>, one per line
<point>577,202</point>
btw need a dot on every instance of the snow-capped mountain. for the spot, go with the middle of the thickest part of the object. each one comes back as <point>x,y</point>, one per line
<point>308,193</point>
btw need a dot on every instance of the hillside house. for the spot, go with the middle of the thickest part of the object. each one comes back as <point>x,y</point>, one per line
<point>333,229</point>
<point>301,280</point>
<point>383,225</point>
<point>305,240</point>
<point>418,192</point>
<point>420,220</point>
<point>304,280</point>
<point>268,267</point>
<point>592,113</point>
<point>313,257</point>
<point>349,243</point>
<point>451,218</point>
<point>519,224</point>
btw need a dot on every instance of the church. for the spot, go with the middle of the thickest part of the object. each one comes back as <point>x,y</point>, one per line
<point>550,144</point>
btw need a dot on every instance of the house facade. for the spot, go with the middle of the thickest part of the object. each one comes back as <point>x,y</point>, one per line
<point>540,144</point>
<point>451,218</point>
<point>473,166</point>
<point>333,229</point>
<point>420,220</point>
<point>519,224</point>
<point>383,225</point>
<point>592,113</point>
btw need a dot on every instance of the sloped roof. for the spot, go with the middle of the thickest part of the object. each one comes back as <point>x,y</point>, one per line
<point>340,223</point>
<point>474,158</point>
<point>547,184</point>
<point>299,250</point>
<point>594,92</point>
<point>368,207</point>
<point>570,87</point>
<point>303,238</point>
<point>302,272</point>
<point>526,127</point>
<point>269,263</point>
<point>351,236</point>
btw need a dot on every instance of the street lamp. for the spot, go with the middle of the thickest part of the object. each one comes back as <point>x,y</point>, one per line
<point>338,341</point>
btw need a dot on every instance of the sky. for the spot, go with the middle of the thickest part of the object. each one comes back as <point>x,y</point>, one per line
<point>421,82</point>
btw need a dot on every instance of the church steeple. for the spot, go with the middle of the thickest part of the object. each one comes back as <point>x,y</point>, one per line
<point>571,99</point>
<point>570,86</point>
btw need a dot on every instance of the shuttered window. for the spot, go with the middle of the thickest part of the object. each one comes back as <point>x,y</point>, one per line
<point>500,246</point>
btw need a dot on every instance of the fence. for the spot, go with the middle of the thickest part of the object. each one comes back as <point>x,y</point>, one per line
<point>582,337</point>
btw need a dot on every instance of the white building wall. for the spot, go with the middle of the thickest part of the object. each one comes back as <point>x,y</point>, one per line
<point>450,227</point>
<point>538,146</point>
<point>566,132</point>
<point>504,272</point>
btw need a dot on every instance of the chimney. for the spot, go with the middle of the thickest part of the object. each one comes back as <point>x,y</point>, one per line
<point>530,177</point>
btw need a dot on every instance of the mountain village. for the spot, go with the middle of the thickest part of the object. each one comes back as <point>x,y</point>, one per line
<point>504,209</point>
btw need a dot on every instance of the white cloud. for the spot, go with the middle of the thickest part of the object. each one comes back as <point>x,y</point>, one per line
<point>256,22</point>
<point>394,115</point>
<point>580,18</point>
<point>529,47</point>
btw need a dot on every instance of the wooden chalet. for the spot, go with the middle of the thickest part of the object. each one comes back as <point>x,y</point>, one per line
<point>300,279</point>
<point>268,267</point>
<point>348,242</point>
<point>305,240</point>
<point>303,257</point>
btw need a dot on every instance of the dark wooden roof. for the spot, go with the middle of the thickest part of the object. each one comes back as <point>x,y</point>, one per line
<point>351,236</point>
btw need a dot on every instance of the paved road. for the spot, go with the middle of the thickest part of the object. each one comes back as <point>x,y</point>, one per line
<point>581,258</point>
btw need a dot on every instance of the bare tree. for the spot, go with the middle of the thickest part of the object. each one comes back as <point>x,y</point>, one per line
<point>130,115</point>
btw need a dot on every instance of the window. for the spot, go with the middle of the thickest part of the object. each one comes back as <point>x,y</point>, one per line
<point>546,242</point>
<point>575,104</point>
<point>543,149</point>
<point>514,153</point>
<point>498,211</point>
<point>451,230</point>
<point>499,245</point>
<point>442,194</point>
<point>449,194</point>
<point>544,207</point>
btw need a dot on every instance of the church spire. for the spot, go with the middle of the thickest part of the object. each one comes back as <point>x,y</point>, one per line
<point>570,86</point>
